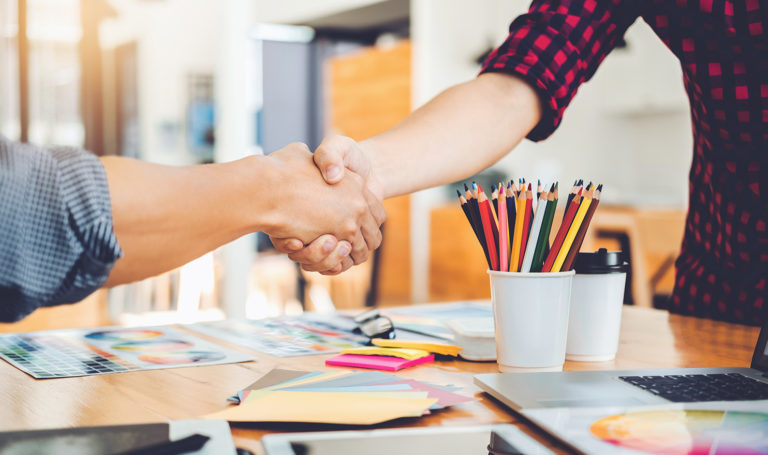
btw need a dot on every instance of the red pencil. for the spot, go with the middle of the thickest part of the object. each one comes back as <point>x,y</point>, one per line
<point>487,218</point>
<point>564,226</point>
<point>526,224</point>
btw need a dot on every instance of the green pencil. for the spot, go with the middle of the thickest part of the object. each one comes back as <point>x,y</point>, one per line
<point>543,240</point>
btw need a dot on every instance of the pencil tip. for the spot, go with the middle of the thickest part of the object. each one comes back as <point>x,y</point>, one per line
<point>458,193</point>
<point>538,182</point>
<point>466,188</point>
<point>557,184</point>
<point>581,182</point>
<point>600,187</point>
<point>529,186</point>
<point>552,188</point>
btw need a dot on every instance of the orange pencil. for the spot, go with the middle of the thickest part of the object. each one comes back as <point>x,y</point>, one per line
<point>526,225</point>
<point>503,232</point>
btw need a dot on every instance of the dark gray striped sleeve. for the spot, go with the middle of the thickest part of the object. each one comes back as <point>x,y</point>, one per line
<point>57,242</point>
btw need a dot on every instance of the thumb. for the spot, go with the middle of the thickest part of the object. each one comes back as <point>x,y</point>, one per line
<point>331,157</point>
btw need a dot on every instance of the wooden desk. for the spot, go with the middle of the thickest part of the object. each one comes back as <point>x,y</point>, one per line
<point>649,338</point>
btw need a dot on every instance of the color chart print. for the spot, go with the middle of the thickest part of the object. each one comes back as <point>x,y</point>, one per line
<point>680,431</point>
<point>68,353</point>
<point>286,337</point>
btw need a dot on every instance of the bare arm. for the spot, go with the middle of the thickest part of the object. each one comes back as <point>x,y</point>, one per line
<point>461,131</point>
<point>166,216</point>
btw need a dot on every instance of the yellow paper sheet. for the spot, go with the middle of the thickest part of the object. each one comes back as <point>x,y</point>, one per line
<point>408,354</point>
<point>320,407</point>
<point>437,348</point>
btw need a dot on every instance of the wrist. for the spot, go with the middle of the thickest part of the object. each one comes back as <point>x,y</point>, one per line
<point>377,176</point>
<point>259,186</point>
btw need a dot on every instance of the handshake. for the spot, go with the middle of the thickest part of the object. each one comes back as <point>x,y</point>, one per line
<point>326,210</point>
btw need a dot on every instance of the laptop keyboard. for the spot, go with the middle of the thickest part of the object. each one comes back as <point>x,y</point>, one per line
<point>688,388</point>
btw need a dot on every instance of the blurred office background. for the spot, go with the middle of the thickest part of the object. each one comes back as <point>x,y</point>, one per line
<point>194,81</point>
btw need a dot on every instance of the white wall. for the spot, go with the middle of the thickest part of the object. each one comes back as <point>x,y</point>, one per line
<point>175,38</point>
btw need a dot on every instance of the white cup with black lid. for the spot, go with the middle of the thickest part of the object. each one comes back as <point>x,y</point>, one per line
<point>597,298</point>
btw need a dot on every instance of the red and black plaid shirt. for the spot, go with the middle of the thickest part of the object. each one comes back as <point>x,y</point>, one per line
<point>722,46</point>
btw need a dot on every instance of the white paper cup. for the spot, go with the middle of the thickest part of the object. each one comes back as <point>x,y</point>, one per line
<point>530,312</point>
<point>597,298</point>
<point>595,319</point>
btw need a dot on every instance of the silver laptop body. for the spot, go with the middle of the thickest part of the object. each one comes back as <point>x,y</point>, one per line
<point>599,388</point>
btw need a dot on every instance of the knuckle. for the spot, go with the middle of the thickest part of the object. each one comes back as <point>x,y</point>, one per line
<point>300,146</point>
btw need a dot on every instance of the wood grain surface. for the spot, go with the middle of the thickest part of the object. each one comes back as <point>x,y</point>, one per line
<point>649,339</point>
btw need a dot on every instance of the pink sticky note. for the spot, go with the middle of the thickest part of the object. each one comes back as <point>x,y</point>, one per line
<point>376,362</point>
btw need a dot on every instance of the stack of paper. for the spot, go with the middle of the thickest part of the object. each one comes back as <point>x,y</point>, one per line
<point>344,397</point>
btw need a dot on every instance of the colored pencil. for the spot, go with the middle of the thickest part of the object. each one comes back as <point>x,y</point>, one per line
<point>561,233</point>
<point>487,218</point>
<point>511,214</point>
<point>546,226</point>
<point>466,208</point>
<point>574,190</point>
<point>474,210</point>
<point>533,237</point>
<point>571,258</point>
<point>503,231</point>
<point>586,201</point>
<point>518,237</point>
<point>495,200</point>
<point>494,223</point>
<point>527,218</point>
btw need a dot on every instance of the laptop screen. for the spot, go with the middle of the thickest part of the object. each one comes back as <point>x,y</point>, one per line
<point>760,357</point>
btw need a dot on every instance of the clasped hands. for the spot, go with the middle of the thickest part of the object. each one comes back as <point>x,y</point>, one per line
<point>328,205</point>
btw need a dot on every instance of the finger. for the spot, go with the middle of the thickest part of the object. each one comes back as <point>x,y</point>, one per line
<point>341,251</point>
<point>346,263</point>
<point>317,251</point>
<point>330,157</point>
<point>371,232</point>
<point>375,206</point>
<point>359,249</point>
<point>287,245</point>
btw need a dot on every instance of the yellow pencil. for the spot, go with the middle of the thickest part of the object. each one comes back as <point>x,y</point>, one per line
<point>517,241</point>
<point>572,231</point>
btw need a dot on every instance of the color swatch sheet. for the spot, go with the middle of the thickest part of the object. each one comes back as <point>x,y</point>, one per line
<point>67,353</point>
<point>429,319</point>
<point>715,428</point>
<point>344,397</point>
<point>287,336</point>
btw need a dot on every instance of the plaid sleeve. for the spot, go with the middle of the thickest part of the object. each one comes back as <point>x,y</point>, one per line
<point>558,45</point>
<point>57,243</point>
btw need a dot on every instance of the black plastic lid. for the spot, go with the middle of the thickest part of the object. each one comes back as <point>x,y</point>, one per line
<point>601,261</point>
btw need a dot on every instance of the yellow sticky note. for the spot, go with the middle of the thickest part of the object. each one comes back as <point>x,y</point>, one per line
<point>437,348</point>
<point>408,354</point>
<point>326,407</point>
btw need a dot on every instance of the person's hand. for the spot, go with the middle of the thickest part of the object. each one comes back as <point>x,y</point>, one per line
<point>306,208</point>
<point>335,158</point>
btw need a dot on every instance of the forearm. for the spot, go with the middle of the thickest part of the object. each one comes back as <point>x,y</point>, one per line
<point>463,130</point>
<point>166,216</point>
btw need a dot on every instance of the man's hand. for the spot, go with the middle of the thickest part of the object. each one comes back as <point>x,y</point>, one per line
<point>336,157</point>
<point>306,208</point>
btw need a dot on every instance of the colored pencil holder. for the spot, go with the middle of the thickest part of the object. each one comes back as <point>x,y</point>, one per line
<point>530,314</point>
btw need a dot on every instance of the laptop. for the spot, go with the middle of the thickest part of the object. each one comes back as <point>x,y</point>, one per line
<point>571,389</point>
